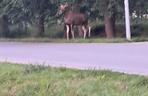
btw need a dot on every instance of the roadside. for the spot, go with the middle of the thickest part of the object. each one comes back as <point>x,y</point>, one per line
<point>77,40</point>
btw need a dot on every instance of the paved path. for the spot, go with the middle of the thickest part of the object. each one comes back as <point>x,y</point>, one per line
<point>130,58</point>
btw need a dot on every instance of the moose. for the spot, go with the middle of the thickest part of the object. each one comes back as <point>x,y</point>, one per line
<point>72,19</point>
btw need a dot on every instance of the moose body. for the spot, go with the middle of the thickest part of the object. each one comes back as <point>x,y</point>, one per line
<point>74,19</point>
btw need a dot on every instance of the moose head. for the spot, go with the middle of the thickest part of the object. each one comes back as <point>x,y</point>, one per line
<point>62,8</point>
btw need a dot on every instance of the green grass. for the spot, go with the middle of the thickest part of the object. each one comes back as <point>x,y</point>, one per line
<point>77,40</point>
<point>29,80</point>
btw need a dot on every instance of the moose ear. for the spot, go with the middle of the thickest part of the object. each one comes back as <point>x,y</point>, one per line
<point>66,4</point>
<point>62,6</point>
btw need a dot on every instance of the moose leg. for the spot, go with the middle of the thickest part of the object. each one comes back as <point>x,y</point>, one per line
<point>80,31</point>
<point>85,31</point>
<point>67,32</point>
<point>89,31</point>
<point>72,32</point>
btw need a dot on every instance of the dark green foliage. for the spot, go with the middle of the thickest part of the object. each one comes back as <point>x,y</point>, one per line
<point>40,15</point>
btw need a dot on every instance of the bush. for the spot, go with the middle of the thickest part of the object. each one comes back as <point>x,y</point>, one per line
<point>54,31</point>
<point>17,31</point>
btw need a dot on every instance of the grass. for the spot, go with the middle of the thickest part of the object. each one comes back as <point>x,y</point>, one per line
<point>30,80</point>
<point>78,40</point>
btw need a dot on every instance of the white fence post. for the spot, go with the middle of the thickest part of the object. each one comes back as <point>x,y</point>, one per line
<point>127,20</point>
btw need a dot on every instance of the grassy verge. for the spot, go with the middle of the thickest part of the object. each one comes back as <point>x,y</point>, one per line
<point>100,40</point>
<point>78,40</point>
<point>29,80</point>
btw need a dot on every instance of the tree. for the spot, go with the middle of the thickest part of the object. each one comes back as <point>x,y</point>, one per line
<point>110,17</point>
<point>34,11</point>
<point>4,26</point>
<point>38,9</point>
<point>4,29</point>
<point>13,11</point>
<point>139,8</point>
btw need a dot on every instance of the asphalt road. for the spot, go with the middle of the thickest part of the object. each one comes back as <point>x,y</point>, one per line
<point>129,58</point>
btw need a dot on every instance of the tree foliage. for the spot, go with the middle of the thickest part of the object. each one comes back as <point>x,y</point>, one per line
<point>41,12</point>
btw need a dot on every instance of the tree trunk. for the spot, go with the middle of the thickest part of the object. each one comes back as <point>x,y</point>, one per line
<point>25,27</point>
<point>109,26</point>
<point>40,26</point>
<point>109,18</point>
<point>114,24</point>
<point>4,26</point>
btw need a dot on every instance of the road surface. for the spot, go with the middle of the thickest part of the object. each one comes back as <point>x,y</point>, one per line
<point>131,58</point>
